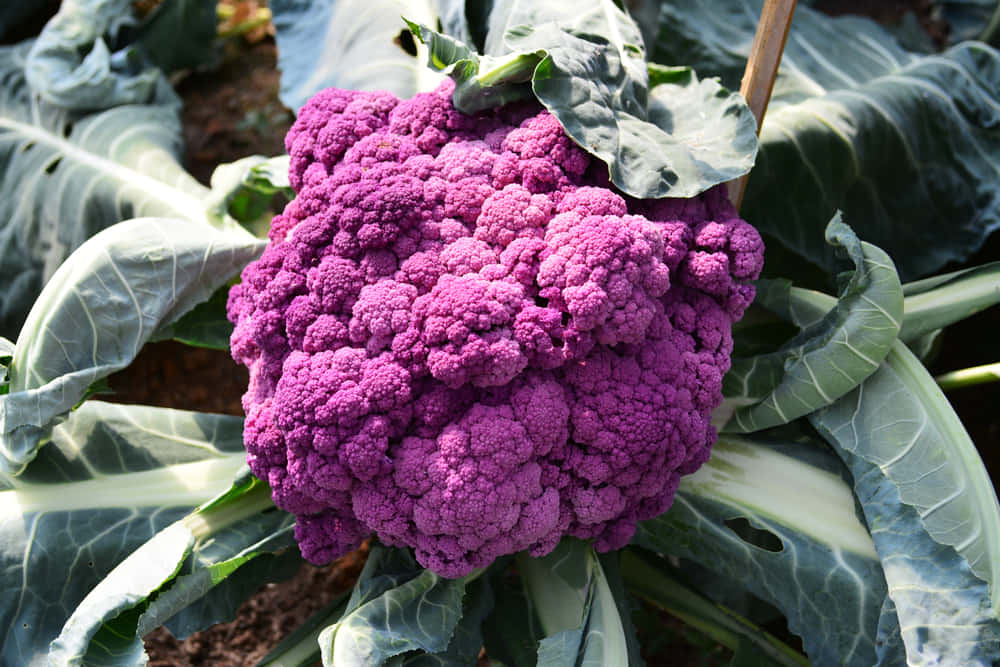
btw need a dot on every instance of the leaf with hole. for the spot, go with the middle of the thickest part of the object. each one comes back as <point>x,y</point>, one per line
<point>793,495</point>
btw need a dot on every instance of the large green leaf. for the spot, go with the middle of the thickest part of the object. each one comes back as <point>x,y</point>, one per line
<point>157,579</point>
<point>579,612</point>
<point>586,64</point>
<point>832,354</point>
<point>905,146</point>
<point>351,44</point>
<point>100,307</point>
<point>111,477</point>
<point>67,177</point>
<point>396,607</point>
<point>824,576</point>
<point>967,19</point>
<point>83,60</point>
<point>899,421</point>
<point>655,580</point>
<point>513,630</point>
<point>939,301</point>
<point>941,608</point>
<point>467,641</point>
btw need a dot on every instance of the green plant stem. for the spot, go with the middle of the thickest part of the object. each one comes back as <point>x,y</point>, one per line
<point>649,580</point>
<point>991,33</point>
<point>969,377</point>
<point>227,511</point>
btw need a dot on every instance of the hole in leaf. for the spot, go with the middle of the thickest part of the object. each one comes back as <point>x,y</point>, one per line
<point>404,40</point>
<point>763,539</point>
<point>53,165</point>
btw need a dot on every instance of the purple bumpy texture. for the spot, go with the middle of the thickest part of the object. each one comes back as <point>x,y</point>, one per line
<point>463,340</point>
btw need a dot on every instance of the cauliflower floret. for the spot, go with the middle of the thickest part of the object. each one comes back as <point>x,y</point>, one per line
<point>461,339</point>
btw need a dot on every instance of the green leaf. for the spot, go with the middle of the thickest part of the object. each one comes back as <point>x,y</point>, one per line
<point>97,311</point>
<point>512,631</point>
<point>941,608</point>
<point>350,44</point>
<point>396,607</point>
<point>222,572</point>
<point>898,142</point>
<point>481,82</point>
<point>145,588</point>
<point>205,325</point>
<point>239,188</point>
<point>586,64</point>
<point>179,34</point>
<point>68,176</point>
<point>967,19</point>
<point>611,562</point>
<point>577,608</point>
<point>831,355</point>
<point>82,61</point>
<point>111,477</point>
<point>251,191</point>
<point>825,576</point>
<point>939,301</point>
<point>899,421</point>
<point>653,579</point>
<point>467,641</point>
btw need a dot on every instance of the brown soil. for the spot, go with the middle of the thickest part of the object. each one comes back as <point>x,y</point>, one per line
<point>265,619</point>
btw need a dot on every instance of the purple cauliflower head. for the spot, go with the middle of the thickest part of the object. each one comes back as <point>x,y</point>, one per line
<point>463,340</point>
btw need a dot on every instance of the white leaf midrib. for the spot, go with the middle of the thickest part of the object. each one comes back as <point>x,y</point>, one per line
<point>185,204</point>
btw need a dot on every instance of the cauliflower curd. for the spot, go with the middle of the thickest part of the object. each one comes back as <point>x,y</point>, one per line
<point>463,340</point>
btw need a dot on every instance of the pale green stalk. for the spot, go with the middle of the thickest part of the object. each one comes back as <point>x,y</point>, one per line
<point>969,377</point>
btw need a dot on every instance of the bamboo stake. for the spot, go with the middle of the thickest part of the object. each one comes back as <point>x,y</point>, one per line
<point>762,69</point>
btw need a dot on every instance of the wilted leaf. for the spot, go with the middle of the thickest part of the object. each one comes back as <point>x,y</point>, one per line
<point>67,177</point>
<point>77,63</point>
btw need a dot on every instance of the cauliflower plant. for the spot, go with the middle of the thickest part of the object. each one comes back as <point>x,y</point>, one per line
<point>463,340</point>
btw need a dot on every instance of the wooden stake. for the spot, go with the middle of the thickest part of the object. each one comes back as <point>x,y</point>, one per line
<point>762,69</point>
